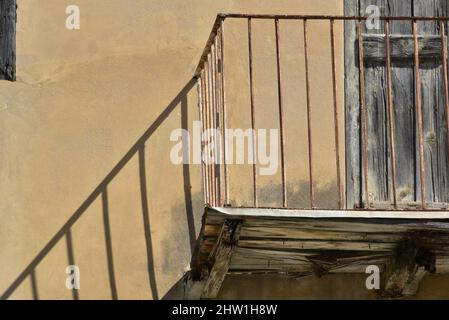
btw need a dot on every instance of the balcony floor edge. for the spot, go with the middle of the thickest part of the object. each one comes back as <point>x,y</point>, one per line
<point>405,246</point>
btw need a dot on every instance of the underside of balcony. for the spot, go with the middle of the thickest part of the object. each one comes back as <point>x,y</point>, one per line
<point>391,170</point>
<point>404,245</point>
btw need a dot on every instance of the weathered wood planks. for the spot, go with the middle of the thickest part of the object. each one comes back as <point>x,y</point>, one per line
<point>297,246</point>
<point>435,153</point>
<point>352,114</point>
<point>402,47</point>
<point>317,245</point>
<point>220,258</point>
<point>408,265</point>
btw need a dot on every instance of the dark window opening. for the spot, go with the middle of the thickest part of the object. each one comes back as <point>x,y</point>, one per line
<point>8,18</point>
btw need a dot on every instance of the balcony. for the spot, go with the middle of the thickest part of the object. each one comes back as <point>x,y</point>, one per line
<point>361,122</point>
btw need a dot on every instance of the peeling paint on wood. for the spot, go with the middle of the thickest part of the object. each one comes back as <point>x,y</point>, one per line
<point>220,257</point>
<point>298,246</point>
<point>404,110</point>
<point>402,47</point>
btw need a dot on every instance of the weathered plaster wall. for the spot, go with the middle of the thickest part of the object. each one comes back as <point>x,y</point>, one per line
<point>82,99</point>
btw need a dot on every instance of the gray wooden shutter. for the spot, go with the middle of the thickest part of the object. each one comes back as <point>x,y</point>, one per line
<point>404,108</point>
<point>8,19</point>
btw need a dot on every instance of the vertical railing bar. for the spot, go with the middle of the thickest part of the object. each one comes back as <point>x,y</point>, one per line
<point>221,120</point>
<point>390,111</point>
<point>419,112</point>
<point>445,77</point>
<point>309,118</point>
<point>253,116</point>
<point>363,113</point>
<point>223,92</point>
<point>218,142</point>
<point>209,119</point>
<point>281,123</point>
<point>210,111</point>
<point>205,130</point>
<point>213,49</point>
<point>217,125</point>
<point>337,131</point>
<point>201,107</point>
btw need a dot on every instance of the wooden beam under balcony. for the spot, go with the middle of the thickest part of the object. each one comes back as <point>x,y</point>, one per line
<point>220,257</point>
<point>298,243</point>
<point>409,264</point>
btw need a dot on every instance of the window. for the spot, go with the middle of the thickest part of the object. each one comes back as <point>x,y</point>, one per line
<point>8,18</point>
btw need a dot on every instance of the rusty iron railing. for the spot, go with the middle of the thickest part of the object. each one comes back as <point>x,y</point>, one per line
<point>211,77</point>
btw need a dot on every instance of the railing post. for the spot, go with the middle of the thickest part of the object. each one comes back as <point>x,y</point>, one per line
<point>337,130</point>
<point>203,137</point>
<point>253,116</point>
<point>419,112</point>
<point>445,76</point>
<point>281,123</point>
<point>214,121</point>
<point>224,119</point>
<point>309,118</point>
<point>390,110</point>
<point>363,113</point>
<point>201,98</point>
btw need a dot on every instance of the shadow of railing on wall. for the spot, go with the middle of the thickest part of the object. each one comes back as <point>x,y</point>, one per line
<point>102,191</point>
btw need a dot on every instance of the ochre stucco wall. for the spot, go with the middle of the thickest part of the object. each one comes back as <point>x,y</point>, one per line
<point>83,98</point>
